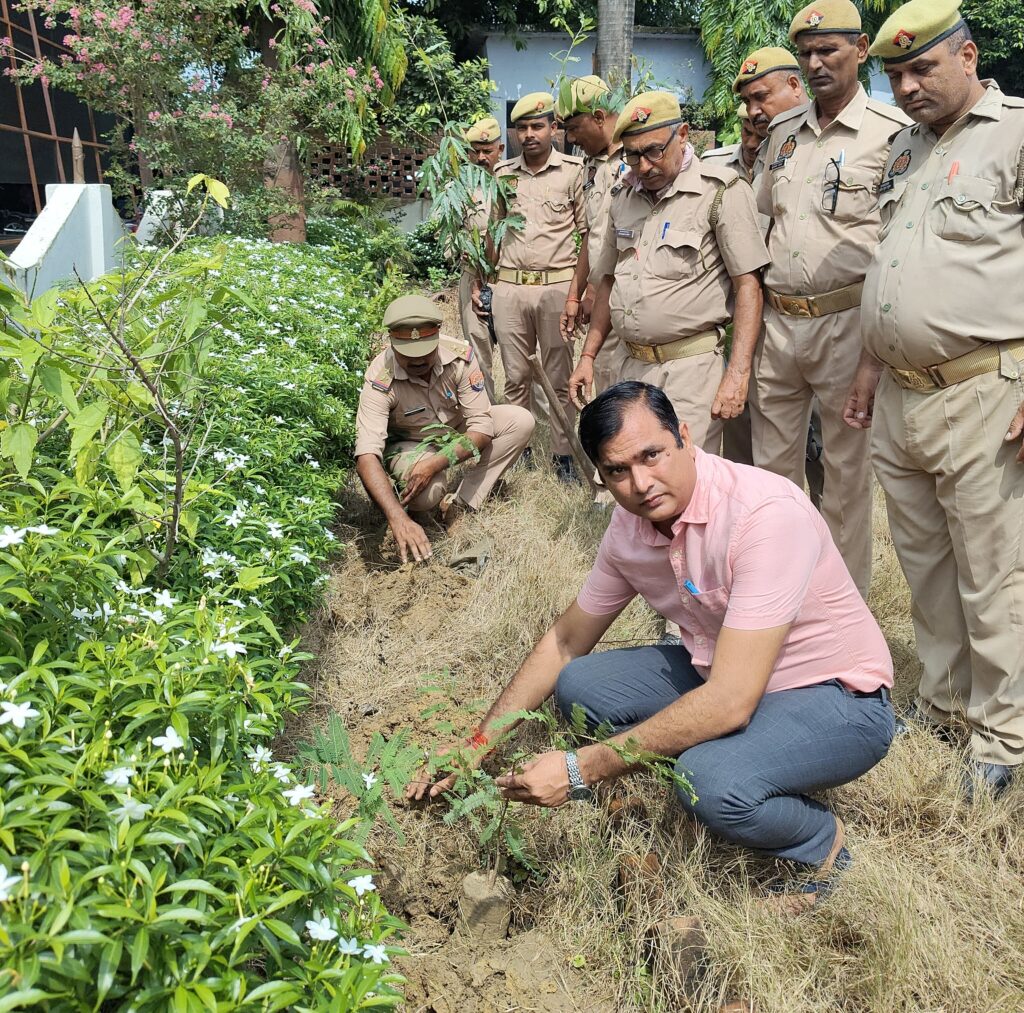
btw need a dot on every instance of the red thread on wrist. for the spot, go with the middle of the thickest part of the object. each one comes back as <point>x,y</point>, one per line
<point>478,740</point>
<point>588,355</point>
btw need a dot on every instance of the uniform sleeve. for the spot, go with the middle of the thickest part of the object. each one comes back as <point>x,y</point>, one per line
<point>579,203</point>
<point>602,250</point>
<point>372,421</point>
<point>774,556</point>
<point>763,187</point>
<point>473,400</point>
<point>605,590</point>
<point>739,232</point>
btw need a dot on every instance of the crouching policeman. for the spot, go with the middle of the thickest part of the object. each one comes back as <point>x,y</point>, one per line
<point>780,688</point>
<point>423,386</point>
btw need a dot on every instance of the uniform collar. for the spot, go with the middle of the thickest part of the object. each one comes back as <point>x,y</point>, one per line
<point>605,156</point>
<point>687,181</point>
<point>850,116</point>
<point>988,107</point>
<point>554,160</point>
<point>697,511</point>
<point>444,357</point>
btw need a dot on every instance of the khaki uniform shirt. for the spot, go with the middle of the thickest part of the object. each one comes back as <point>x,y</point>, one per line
<point>815,251</point>
<point>554,206</point>
<point>395,406</point>
<point>477,218</point>
<point>672,270</point>
<point>731,156</point>
<point>948,274</point>
<point>600,174</point>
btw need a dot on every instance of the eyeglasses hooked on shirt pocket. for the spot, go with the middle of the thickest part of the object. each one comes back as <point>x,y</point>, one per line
<point>855,194</point>
<point>961,210</point>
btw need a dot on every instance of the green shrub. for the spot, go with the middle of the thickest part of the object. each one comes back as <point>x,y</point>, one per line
<point>153,854</point>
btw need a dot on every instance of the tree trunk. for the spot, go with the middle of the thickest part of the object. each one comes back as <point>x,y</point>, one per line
<point>615,40</point>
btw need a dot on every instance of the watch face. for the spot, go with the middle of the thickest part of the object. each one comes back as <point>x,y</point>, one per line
<point>581,794</point>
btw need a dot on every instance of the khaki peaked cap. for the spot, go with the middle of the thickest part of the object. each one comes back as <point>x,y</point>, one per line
<point>764,61</point>
<point>649,111</point>
<point>914,28</point>
<point>414,325</point>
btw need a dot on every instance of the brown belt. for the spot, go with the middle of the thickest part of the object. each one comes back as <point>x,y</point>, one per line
<point>963,367</point>
<point>535,277</point>
<point>682,348</point>
<point>816,305</point>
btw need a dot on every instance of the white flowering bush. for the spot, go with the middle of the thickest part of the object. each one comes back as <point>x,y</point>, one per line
<point>154,854</point>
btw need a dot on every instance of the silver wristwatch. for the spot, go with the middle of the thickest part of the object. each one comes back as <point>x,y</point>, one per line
<point>578,791</point>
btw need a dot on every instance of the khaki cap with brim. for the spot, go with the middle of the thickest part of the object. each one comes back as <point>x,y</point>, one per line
<point>828,17</point>
<point>649,111</point>
<point>414,325</point>
<point>914,28</point>
<point>533,106</point>
<point>764,61</point>
<point>484,131</point>
<point>581,95</point>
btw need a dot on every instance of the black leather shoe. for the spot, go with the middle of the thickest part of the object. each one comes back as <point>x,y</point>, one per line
<point>917,718</point>
<point>993,778</point>
<point>526,459</point>
<point>565,469</point>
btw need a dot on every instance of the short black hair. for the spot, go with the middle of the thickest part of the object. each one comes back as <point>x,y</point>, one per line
<point>601,420</point>
<point>959,38</point>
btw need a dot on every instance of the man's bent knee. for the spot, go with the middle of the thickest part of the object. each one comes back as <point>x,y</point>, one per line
<point>571,688</point>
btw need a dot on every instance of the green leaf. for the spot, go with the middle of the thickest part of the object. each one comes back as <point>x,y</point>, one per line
<point>124,458</point>
<point>86,424</point>
<point>109,960</point>
<point>140,948</point>
<point>56,382</point>
<point>18,443</point>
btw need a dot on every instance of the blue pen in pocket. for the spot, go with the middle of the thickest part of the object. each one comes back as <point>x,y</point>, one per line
<point>664,229</point>
<point>691,587</point>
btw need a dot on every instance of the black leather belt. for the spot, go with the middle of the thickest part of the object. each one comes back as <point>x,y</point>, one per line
<point>882,693</point>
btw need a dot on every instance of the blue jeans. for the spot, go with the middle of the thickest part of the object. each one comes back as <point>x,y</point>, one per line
<point>752,785</point>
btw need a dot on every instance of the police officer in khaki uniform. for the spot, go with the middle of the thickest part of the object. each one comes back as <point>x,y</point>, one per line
<point>943,324</point>
<point>426,379</point>
<point>485,150</point>
<point>823,163</point>
<point>587,108</point>
<point>743,157</point>
<point>681,256</point>
<point>537,263</point>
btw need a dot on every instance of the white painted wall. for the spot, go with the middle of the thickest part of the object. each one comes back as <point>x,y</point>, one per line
<point>78,230</point>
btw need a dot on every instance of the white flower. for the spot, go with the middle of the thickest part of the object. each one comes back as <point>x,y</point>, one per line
<point>164,599</point>
<point>298,556</point>
<point>7,883</point>
<point>376,954</point>
<point>281,772</point>
<point>119,777</point>
<point>154,615</point>
<point>228,648</point>
<point>369,780</point>
<point>80,613</point>
<point>235,517</point>
<point>362,884</point>
<point>259,755</point>
<point>169,741</point>
<point>321,930</point>
<point>132,808</point>
<point>285,652</point>
<point>16,713</point>
<point>275,530</point>
<point>299,793</point>
<point>44,529</point>
<point>11,536</point>
<point>350,947</point>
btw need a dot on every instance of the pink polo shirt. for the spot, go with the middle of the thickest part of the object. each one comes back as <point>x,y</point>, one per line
<point>749,552</point>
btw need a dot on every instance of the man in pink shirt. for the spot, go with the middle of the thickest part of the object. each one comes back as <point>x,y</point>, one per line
<point>780,687</point>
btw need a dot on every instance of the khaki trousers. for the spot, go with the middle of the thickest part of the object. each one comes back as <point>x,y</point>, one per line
<point>526,320</point>
<point>475,332</point>
<point>607,365</point>
<point>513,428</point>
<point>691,385</point>
<point>955,498</point>
<point>800,357</point>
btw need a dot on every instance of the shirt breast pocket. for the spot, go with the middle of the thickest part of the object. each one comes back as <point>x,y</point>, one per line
<point>677,254</point>
<point>625,246</point>
<point>856,198</point>
<point>555,210</point>
<point>961,213</point>
<point>710,607</point>
<point>888,206</point>
<point>780,192</point>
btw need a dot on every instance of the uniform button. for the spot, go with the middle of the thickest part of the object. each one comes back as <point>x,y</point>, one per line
<point>910,225</point>
<point>959,199</point>
<point>892,348</point>
<point>894,263</point>
<point>645,242</point>
<point>820,143</point>
<point>940,151</point>
<point>886,307</point>
<point>810,179</point>
<point>796,253</point>
<point>802,217</point>
<point>924,186</point>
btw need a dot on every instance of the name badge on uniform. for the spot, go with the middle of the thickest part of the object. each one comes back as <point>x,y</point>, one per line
<point>623,233</point>
<point>889,184</point>
<point>415,411</point>
<point>587,186</point>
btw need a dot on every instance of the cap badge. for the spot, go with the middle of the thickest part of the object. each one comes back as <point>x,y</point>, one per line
<point>815,18</point>
<point>904,39</point>
<point>749,66</point>
<point>540,105</point>
<point>640,115</point>
<point>485,135</point>
<point>414,334</point>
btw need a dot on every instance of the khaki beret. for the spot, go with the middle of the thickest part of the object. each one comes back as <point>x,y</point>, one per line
<point>741,111</point>
<point>649,111</point>
<point>916,27</point>
<point>484,131</point>
<point>414,325</point>
<point>529,107</point>
<point>764,61</point>
<point>581,95</point>
<point>826,17</point>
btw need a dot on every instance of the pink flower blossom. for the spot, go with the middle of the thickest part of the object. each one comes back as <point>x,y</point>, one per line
<point>351,71</point>
<point>153,117</point>
<point>99,17</point>
<point>74,13</point>
<point>272,43</point>
<point>306,5</point>
<point>349,94</point>
<point>310,68</point>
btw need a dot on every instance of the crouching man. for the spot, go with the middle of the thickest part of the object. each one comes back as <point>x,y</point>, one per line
<point>421,388</point>
<point>781,686</point>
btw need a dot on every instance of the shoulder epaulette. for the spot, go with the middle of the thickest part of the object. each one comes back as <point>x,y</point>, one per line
<point>503,164</point>
<point>889,112</point>
<point>574,159</point>
<point>724,152</point>
<point>1013,102</point>
<point>789,114</point>
<point>720,172</point>
<point>382,379</point>
<point>903,129</point>
<point>457,347</point>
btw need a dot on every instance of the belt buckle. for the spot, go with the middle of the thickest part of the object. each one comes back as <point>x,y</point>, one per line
<point>910,379</point>
<point>936,376</point>
<point>532,277</point>
<point>645,353</point>
<point>796,306</point>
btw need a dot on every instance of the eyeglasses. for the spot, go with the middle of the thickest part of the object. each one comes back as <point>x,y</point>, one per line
<point>830,190</point>
<point>655,153</point>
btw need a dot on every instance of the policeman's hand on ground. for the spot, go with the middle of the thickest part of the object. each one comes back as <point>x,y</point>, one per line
<point>543,781</point>
<point>423,471</point>
<point>570,319</point>
<point>860,402</point>
<point>581,383</point>
<point>1015,431</point>
<point>732,395</point>
<point>412,540</point>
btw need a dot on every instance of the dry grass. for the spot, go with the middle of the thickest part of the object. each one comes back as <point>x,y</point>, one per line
<point>928,919</point>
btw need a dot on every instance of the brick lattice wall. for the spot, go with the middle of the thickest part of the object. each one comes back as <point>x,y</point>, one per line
<point>387,169</point>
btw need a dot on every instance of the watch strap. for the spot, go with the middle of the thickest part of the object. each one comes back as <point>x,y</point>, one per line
<point>572,764</point>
